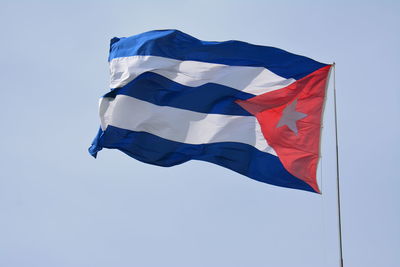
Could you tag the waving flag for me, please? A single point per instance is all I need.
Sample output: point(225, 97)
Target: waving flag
point(253, 109)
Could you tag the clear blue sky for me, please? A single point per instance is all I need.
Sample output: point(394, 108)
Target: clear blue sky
point(60, 207)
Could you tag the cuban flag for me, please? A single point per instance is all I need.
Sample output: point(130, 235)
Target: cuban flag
point(253, 109)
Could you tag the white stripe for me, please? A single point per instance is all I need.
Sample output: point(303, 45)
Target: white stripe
point(253, 80)
point(181, 125)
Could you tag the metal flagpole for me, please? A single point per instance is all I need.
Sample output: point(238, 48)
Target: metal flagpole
point(337, 166)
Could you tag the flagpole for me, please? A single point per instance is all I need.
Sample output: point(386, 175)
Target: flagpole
point(337, 167)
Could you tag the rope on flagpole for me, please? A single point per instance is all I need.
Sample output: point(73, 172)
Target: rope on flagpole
point(337, 166)
point(322, 214)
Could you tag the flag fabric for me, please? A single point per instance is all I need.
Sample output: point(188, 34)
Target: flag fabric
point(253, 109)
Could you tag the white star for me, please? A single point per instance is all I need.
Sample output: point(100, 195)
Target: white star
point(290, 116)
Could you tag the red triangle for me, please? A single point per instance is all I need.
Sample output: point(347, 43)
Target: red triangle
point(299, 153)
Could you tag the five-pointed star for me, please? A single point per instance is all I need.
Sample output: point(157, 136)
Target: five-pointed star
point(290, 116)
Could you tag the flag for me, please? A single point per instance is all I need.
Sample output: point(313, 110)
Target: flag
point(253, 109)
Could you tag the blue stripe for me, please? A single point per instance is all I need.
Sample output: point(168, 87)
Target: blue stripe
point(207, 98)
point(178, 45)
point(241, 158)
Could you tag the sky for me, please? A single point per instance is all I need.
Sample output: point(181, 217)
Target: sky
point(60, 207)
